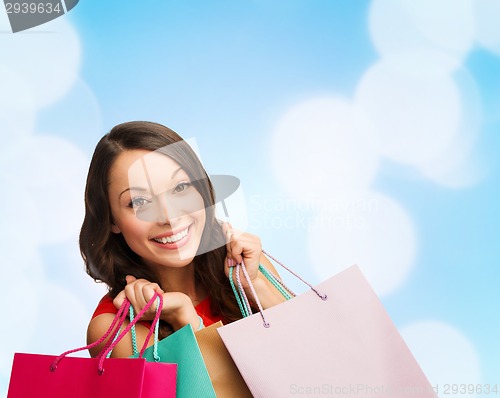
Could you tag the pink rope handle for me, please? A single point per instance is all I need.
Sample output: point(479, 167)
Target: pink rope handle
point(321, 296)
point(153, 325)
point(113, 329)
point(254, 293)
point(243, 295)
point(104, 353)
point(115, 325)
point(266, 324)
point(120, 323)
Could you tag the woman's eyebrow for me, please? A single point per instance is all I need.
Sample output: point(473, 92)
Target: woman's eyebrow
point(134, 189)
point(141, 189)
point(175, 172)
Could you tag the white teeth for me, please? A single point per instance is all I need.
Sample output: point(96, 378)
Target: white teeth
point(173, 238)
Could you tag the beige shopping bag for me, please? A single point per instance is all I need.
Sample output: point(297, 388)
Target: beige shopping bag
point(224, 374)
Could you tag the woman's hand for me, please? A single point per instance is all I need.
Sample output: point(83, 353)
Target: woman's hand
point(177, 307)
point(242, 247)
point(248, 248)
point(177, 310)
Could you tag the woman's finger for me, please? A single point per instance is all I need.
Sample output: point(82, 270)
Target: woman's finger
point(236, 250)
point(119, 299)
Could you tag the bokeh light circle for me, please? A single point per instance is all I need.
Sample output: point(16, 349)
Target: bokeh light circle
point(368, 229)
point(445, 354)
point(487, 15)
point(52, 171)
point(416, 117)
point(323, 145)
point(402, 25)
point(49, 60)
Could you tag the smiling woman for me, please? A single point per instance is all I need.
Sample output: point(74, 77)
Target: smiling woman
point(150, 227)
point(160, 194)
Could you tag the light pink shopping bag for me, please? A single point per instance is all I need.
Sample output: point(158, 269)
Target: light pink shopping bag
point(344, 345)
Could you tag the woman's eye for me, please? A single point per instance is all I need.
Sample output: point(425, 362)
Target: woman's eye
point(182, 186)
point(137, 203)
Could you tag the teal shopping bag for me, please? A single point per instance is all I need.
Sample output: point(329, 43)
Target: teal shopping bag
point(182, 348)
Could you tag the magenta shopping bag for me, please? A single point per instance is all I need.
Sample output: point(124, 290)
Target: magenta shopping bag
point(48, 376)
point(78, 377)
point(334, 340)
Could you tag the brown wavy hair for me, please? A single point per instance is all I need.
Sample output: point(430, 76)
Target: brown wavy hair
point(107, 256)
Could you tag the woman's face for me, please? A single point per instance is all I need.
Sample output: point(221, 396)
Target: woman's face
point(156, 208)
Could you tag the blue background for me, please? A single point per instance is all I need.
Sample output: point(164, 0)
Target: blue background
point(225, 73)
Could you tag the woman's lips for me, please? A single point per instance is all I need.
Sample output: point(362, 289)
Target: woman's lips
point(173, 241)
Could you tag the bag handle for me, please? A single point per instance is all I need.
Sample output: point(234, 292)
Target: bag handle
point(133, 334)
point(156, 356)
point(114, 327)
point(243, 294)
point(321, 296)
point(117, 322)
point(240, 292)
point(241, 299)
point(278, 283)
point(104, 353)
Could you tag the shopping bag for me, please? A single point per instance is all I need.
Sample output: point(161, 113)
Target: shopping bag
point(49, 376)
point(182, 349)
point(78, 378)
point(335, 339)
point(224, 374)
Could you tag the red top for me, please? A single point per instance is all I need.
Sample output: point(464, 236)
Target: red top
point(106, 306)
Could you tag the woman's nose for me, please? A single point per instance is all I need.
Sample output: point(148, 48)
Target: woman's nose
point(165, 211)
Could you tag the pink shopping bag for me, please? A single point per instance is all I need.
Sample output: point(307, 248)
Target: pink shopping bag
point(48, 376)
point(334, 340)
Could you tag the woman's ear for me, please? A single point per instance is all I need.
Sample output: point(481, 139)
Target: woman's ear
point(114, 228)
